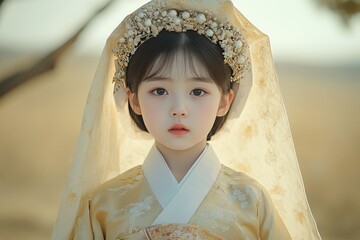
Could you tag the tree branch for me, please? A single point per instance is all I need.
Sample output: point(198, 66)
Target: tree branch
point(47, 63)
point(344, 8)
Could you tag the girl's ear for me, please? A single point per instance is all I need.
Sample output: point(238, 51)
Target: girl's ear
point(134, 102)
point(225, 103)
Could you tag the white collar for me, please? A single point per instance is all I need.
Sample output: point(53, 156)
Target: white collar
point(197, 182)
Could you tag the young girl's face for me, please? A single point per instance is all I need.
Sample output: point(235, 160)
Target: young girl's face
point(179, 103)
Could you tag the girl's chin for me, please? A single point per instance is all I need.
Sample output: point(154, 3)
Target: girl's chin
point(180, 145)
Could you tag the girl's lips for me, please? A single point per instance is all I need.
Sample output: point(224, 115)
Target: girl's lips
point(178, 129)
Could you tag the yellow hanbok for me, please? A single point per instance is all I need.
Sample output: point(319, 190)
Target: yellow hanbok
point(211, 202)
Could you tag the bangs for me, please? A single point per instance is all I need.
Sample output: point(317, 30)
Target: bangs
point(155, 57)
point(163, 65)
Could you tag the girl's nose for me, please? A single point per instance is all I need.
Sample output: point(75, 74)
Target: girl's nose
point(179, 110)
point(179, 113)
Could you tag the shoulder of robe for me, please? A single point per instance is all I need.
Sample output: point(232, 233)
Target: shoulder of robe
point(241, 181)
point(120, 184)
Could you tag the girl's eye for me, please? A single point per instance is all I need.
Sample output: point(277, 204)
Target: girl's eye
point(198, 92)
point(159, 91)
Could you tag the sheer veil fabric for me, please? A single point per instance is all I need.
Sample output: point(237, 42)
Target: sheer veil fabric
point(255, 139)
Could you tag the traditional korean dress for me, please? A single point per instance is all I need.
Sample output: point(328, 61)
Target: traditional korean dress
point(113, 193)
point(211, 202)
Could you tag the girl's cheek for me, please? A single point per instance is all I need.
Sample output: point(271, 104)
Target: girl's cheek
point(152, 110)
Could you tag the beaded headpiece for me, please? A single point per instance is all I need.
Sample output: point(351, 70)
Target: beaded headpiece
point(150, 20)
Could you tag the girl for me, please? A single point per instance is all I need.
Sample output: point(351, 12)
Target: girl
point(181, 69)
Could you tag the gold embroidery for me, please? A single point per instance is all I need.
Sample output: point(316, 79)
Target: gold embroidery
point(278, 190)
point(72, 196)
point(300, 216)
point(180, 232)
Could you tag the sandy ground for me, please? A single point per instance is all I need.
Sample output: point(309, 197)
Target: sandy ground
point(39, 123)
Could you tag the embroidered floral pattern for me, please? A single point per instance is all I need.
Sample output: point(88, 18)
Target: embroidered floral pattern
point(220, 217)
point(135, 210)
point(180, 232)
point(129, 184)
point(139, 208)
point(240, 195)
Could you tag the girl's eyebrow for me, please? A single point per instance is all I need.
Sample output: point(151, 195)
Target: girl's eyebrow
point(195, 79)
point(156, 78)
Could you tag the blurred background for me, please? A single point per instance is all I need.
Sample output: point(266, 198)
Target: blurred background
point(49, 51)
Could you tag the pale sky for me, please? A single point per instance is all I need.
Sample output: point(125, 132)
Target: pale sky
point(299, 30)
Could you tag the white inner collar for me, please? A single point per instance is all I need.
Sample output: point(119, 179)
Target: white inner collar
point(162, 181)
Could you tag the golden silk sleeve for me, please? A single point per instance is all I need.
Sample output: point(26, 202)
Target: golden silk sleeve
point(271, 225)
